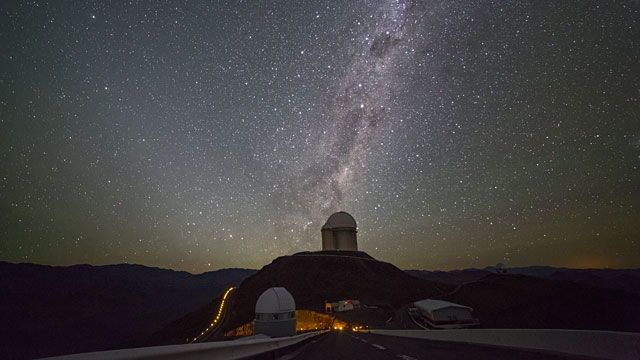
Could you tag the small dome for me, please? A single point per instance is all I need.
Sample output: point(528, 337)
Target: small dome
point(275, 300)
point(340, 220)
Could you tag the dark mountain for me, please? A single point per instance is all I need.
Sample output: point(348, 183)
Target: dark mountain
point(455, 277)
point(51, 310)
point(519, 301)
point(537, 271)
point(625, 280)
point(614, 279)
point(313, 278)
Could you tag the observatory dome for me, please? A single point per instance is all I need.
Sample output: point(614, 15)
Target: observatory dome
point(275, 313)
point(340, 220)
point(275, 300)
point(339, 233)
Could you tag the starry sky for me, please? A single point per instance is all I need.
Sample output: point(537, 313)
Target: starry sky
point(198, 135)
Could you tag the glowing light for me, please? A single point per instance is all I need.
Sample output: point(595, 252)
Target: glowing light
point(214, 321)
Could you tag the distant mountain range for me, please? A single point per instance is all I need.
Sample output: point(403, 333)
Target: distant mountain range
point(49, 310)
point(614, 279)
point(53, 310)
point(546, 297)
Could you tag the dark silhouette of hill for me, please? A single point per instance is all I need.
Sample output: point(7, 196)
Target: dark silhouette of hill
point(454, 277)
point(312, 279)
point(349, 253)
point(51, 310)
point(519, 301)
point(614, 279)
point(624, 280)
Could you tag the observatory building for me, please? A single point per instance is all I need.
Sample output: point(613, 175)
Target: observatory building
point(339, 232)
point(441, 314)
point(275, 313)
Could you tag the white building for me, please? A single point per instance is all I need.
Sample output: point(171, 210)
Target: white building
point(339, 232)
point(444, 314)
point(275, 313)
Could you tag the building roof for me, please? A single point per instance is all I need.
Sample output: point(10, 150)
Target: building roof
point(275, 300)
point(433, 305)
point(340, 220)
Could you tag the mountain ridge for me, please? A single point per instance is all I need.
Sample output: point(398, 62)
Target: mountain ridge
point(70, 309)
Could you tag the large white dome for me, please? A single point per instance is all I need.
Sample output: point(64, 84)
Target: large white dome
point(340, 220)
point(275, 300)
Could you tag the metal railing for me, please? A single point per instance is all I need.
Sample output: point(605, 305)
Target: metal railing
point(213, 350)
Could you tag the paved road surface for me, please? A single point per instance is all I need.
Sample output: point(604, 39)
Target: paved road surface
point(352, 345)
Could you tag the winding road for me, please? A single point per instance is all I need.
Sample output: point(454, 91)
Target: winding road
point(215, 322)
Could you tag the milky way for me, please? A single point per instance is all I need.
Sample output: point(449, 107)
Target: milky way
point(356, 105)
point(198, 135)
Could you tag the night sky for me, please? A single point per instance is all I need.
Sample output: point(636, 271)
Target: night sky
point(198, 135)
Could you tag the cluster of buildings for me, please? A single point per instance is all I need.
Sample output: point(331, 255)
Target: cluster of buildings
point(275, 312)
point(342, 305)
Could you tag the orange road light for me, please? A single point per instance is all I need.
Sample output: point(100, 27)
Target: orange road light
point(219, 312)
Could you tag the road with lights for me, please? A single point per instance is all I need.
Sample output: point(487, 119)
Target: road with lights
point(215, 322)
point(360, 345)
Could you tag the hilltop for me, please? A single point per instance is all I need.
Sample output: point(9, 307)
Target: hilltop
point(313, 278)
